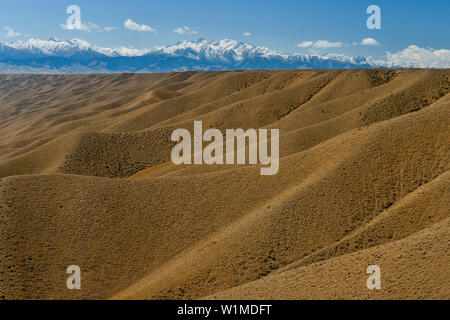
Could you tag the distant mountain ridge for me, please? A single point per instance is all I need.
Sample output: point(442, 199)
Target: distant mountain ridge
point(79, 56)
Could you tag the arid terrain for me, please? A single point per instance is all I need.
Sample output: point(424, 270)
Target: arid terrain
point(364, 179)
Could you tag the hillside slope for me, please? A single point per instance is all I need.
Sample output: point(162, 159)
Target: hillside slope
point(364, 178)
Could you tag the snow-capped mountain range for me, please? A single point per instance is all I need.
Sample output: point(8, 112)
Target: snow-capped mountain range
point(79, 56)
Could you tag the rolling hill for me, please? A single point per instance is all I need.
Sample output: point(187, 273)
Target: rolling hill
point(364, 179)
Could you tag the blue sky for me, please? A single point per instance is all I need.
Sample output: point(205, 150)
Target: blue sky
point(278, 25)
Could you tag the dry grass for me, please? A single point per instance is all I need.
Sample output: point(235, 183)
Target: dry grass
point(364, 179)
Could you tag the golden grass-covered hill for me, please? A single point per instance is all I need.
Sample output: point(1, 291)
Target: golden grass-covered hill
point(364, 179)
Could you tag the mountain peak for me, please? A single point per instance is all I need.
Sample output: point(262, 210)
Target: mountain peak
point(53, 39)
point(201, 54)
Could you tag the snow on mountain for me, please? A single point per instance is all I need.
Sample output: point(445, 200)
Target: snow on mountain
point(61, 48)
point(226, 50)
point(77, 55)
point(44, 48)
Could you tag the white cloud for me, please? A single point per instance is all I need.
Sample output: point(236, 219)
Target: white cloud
point(93, 26)
point(84, 27)
point(321, 44)
point(184, 30)
point(305, 44)
point(11, 33)
point(246, 34)
point(369, 42)
point(133, 26)
point(327, 44)
point(416, 57)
